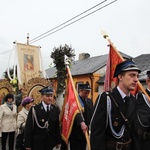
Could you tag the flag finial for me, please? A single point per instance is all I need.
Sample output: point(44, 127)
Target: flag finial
point(105, 34)
point(28, 38)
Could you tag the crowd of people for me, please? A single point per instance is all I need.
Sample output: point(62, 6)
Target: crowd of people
point(117, 120)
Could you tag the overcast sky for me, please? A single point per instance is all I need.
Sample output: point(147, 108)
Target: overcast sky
point(126, 21)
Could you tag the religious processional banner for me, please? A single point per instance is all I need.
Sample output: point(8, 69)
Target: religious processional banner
point(28, 66)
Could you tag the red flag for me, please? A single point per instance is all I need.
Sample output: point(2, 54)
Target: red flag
point(115, 55)
point(70, 109)
point(113, 59)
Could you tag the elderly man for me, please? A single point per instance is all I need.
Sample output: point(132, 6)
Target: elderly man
point(112, 124)
point(42, 130)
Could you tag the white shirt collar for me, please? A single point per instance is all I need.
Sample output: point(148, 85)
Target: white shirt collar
point(45, 106)
point(123, 95)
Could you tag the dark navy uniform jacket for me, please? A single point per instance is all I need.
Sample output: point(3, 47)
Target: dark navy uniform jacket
point(143, 112)
point(100, 126)
point(42, 139)
point(143, 120)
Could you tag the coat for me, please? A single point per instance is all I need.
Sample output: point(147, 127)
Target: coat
point(143, 121)
point(22, 117)
point(8, 118)
point(101, 131)
point(38, 138)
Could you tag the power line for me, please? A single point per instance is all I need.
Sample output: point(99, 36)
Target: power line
point(33, 41)
point(68, 21)
point(54, 29)
point(73, 22)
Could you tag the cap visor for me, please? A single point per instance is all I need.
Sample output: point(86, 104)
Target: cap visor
point(132, 68)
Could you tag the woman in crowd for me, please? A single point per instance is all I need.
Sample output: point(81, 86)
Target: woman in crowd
point(21, 121)
point(22, 116)
point(8, 116)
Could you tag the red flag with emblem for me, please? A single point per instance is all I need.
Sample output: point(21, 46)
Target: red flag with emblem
point(70, 109)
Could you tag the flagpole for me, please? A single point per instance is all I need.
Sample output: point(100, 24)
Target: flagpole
point(79, 106)
point(86, 134)
point(105, 35)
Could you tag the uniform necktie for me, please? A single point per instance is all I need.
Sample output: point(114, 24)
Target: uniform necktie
point(127, 101)
point(85, 104)
point(85, 114)
point(48, 109)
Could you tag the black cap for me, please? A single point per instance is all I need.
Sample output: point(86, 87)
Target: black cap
point(46, 91)
point(84, 86)
point(127, 65)
point(148, 73)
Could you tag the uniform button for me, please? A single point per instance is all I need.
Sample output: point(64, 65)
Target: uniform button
point(115, 123)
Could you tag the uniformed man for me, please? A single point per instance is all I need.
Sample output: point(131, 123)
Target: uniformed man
point(112, 122)
point(143, 117)
point(42, 130)
point(77, 137)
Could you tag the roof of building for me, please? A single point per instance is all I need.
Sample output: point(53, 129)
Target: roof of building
point(81, 67)
point(85, 66)
point(143, 62)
